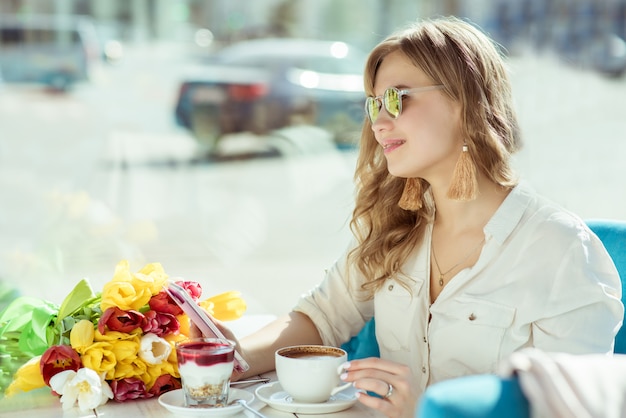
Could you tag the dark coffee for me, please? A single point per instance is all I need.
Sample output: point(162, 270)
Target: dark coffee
point(312, 356)
point(311, 352)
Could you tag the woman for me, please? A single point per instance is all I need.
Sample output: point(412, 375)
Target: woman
point(459, 264)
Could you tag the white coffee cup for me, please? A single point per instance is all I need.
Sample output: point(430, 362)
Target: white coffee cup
point(310, 373)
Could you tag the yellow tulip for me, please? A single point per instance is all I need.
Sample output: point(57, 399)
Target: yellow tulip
point(99, 357)
point(122, 295)
point(132, 291)
point(122, 272)
point(154, 373)
point(82, 335)
point(27, 377)
point(126, 369)
point(125, 350)
point(226, 306)
point(185, 324)
point(116, 335)
point(225, 297)
point(174, 338)
point(207, 306)
point(168, 367)
point(151, 276)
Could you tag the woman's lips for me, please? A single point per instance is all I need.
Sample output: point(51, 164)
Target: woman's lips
point(389, 146)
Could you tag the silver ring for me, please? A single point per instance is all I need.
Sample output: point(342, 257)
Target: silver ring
point(389, 391)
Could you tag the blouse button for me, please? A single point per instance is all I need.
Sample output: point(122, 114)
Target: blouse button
point(423, 369)
point(425, 340)
point(390, 288)
point(472, 317)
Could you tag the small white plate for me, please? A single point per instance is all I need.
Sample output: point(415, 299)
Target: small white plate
point(174, 401)
point(274, 395)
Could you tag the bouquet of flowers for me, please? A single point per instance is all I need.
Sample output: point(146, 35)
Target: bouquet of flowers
point(115, 344)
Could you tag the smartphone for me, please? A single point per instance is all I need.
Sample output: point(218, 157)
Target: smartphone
point(201, 319)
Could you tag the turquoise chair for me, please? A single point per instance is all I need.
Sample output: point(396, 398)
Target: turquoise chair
point(364, 344)
point(491, 396)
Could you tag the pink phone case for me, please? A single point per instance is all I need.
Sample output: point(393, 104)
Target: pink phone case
point(201, 319)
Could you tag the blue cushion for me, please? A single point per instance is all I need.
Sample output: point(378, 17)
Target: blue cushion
point(613, 236)
point(363, 344)
point(485, 396)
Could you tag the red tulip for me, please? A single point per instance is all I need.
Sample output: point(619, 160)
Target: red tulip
point(193, 288)
point(57, 359)
point(162, 302)
point(164, 383)
point(129, 389)
point(118, 320)
point(160, 323)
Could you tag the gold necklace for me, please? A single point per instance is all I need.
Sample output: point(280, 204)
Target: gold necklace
point(442, 274)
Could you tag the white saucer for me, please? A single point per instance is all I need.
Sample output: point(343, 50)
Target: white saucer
point(273, 395)
point(174, 401)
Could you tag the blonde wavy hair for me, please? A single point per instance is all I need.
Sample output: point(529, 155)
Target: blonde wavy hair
point(456, 54)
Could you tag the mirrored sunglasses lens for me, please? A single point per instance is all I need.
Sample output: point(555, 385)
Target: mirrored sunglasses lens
point(392, 102)
point(372, 107)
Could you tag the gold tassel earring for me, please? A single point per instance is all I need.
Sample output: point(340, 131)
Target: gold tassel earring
point(411, 198)
point(464, 185)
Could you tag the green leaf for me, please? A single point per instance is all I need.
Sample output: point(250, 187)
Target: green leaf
point(52, 336)
point(78, 297)
point(25, 323)
point(18, 314)
point(34, 337)
point(30, 345)
point(42, 319)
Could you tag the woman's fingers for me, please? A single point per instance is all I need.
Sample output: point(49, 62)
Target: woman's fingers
point(392, 382)
point(375, 363)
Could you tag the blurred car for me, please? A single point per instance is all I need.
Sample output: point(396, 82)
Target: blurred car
point(604, 52)
point(265, 84)
point(48, 50)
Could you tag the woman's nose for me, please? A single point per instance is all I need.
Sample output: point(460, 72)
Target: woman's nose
point(382, 122)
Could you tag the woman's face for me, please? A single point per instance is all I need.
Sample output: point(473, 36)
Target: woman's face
point(424, 140)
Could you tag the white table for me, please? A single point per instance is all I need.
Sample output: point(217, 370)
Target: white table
point(41, 403)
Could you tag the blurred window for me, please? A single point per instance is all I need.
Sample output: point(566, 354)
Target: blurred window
point(31, 36)
point(10, 36)
point(257, 61)
point(333, 65)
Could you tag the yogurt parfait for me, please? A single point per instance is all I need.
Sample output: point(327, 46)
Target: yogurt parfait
point(205, 366)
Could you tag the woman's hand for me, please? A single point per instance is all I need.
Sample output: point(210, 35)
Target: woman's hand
point(195, 332)
point(394, 382)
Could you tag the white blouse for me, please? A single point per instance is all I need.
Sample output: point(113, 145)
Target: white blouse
point(543, 279)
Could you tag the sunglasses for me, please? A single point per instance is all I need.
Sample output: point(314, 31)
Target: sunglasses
point(392, 99)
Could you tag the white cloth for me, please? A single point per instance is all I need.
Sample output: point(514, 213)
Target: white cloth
point(543, 279)
point(560, 385)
